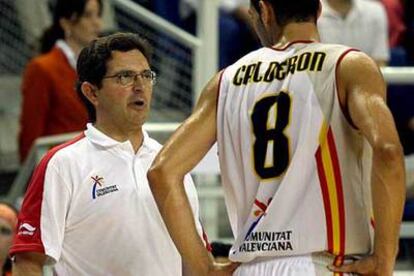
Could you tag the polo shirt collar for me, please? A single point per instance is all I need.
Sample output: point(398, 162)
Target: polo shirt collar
point(67, 51)
point(98, 137)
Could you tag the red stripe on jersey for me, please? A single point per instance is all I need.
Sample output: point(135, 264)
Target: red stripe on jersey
point(372, 222)
point(325, 197)
point(261, 205)
point(207, 243)
point(339, 190)
point(291, 43)
point(343, 108)
point(30, 213)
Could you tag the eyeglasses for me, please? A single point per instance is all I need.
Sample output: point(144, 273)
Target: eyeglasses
point(127, 78)
point(5, 231)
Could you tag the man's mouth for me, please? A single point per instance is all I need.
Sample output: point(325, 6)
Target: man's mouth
point(140, 104)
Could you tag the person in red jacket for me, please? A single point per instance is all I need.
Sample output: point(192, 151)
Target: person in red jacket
point(50, 103)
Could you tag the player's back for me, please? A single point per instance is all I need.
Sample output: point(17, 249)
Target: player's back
point(295, 171)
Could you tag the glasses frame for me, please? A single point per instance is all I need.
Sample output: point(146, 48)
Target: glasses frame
point(134, 75)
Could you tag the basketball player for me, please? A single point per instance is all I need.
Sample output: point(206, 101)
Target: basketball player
point(311, 163)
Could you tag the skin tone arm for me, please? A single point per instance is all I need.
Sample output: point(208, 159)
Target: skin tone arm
point(28, 264)
point(180, 154)
point(362, 91)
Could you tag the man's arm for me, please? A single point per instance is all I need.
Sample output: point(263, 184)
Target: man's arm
point(28, 264)
point(362, 91)
point(180, 154)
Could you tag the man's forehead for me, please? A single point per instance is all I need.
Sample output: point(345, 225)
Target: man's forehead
point(131, 60)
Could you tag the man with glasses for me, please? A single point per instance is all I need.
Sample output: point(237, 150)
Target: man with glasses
point(89, 208)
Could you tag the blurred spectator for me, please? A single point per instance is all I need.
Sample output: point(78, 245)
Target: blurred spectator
point(356, 23)
point(234, 25)
point(396, 26)
point(35, 17)
point(409, 39)
point(50, 103)
point(8, 222)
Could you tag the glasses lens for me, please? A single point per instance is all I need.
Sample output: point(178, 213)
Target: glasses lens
point(126, 78)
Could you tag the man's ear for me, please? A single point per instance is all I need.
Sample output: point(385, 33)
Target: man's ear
point(90, 92)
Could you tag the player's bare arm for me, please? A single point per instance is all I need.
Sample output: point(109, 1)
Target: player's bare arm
point(28, 264)
point(363, 93)
point(180, 155)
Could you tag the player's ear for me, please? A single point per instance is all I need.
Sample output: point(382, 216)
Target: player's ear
point(90, 92)
point(319, 10)
point(266, 12)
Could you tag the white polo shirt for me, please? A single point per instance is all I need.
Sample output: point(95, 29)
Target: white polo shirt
point(365, 27)
point(90, 209)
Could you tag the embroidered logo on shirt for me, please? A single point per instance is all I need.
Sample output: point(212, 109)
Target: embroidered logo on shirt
point(26, 229)
point(99, 190)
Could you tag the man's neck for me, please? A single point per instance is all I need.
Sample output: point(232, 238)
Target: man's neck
point(122, 134)
point(306, 31)
point(341, 6)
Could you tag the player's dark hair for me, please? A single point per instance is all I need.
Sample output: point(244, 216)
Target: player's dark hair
point(287, 11)
point(93, 59)
point(69, 9)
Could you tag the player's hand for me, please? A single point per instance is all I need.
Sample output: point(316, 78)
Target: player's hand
point(370, 266)
point(223, 269)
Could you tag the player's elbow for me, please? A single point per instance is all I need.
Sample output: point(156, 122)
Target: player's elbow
point(389, 151)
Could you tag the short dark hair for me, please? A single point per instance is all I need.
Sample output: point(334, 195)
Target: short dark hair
point(92, 61)
point(287, 11)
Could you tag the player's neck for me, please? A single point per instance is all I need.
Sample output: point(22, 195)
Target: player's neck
point(297, 32)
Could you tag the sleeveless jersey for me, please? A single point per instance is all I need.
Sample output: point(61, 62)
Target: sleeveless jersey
point(296, 173)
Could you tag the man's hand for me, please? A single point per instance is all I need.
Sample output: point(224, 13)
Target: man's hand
point(370, 266)
point(223, 269)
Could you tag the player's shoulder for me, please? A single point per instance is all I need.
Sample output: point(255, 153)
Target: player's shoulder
point(353, 60)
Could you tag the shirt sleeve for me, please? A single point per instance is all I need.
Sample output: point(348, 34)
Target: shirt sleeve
point(193, 198)
point(41, 221)
point(381, 49)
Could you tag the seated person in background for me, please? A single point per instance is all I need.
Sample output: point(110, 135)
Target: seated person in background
point(89, 208)
point(50, 104)
point(8, 222)
point(361, 24)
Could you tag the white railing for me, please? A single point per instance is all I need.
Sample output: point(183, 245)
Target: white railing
point(204, 46)
point(398, 75)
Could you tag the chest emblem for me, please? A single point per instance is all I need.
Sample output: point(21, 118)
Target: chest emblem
point(98, 188)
